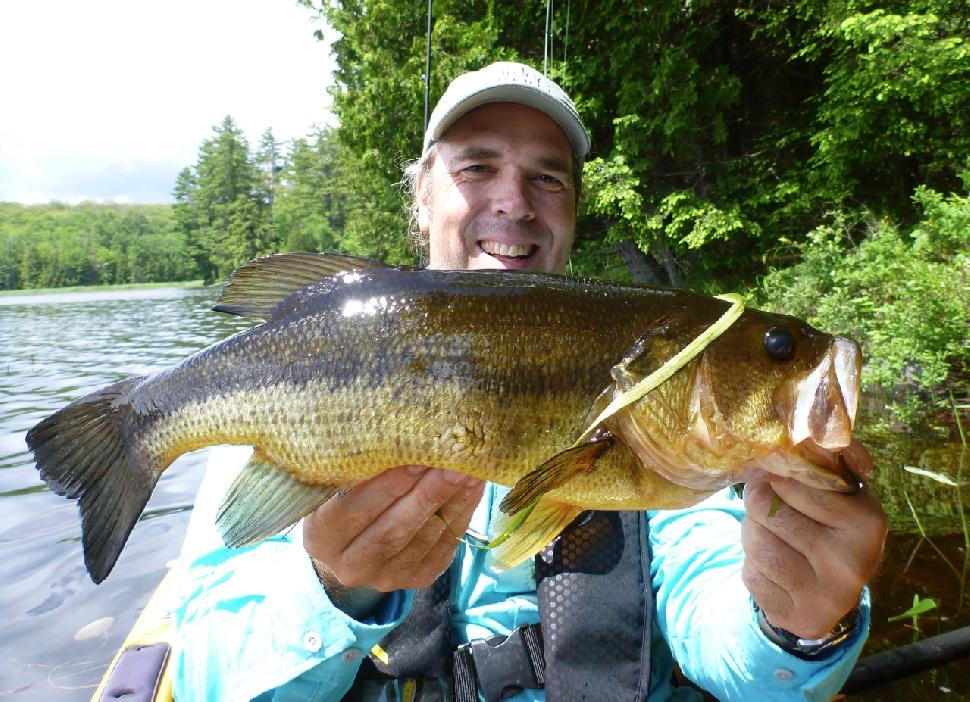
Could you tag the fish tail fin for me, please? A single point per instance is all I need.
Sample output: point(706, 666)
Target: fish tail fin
point(544, 523)
point(83, 453)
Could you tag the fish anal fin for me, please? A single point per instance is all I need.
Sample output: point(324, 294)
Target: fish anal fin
point(265, 499)
point(256, 288)
point(545, 523)
point(555, 472)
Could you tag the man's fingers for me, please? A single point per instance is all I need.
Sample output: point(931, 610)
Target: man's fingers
point(425, 558)
point(824, 507)
point(450, 521)
point(774, 557)
point(336, 523)
point(769, 595)
point(403, 520)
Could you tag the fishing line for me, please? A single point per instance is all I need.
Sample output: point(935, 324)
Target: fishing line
point(427, 66)
point(565, 45)
point(546, 48)
point(670, 366)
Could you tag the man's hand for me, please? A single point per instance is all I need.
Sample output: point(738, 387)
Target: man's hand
point(806, 564)
point(385, 534)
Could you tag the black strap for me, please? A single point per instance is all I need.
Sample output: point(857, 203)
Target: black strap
point(499, 665)
point(595, 602)
point(596, 605)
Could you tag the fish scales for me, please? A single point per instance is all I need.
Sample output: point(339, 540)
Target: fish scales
point(491, 374)
point(367, 377)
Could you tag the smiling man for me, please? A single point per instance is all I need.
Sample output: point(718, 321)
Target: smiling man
point(498, 191)
point(374, 598)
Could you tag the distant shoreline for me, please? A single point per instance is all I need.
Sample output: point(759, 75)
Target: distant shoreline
point(96, 288)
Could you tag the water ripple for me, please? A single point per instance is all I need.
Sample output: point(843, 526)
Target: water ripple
point(54, 348)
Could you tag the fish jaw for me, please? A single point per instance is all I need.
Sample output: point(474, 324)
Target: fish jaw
point(821, 406)
point(841, 471)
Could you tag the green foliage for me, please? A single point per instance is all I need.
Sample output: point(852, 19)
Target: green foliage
point(58, 245)
point(920, 606)
point(896, 109)
point(904, 295)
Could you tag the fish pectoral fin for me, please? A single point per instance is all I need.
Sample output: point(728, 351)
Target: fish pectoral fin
point(557, 471)
point(265, 499)
point(545, 523)
point(258, 287)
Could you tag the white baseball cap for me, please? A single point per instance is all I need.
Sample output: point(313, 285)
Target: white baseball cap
point(507, 82)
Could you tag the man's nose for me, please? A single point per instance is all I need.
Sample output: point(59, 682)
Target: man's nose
point(511, 197)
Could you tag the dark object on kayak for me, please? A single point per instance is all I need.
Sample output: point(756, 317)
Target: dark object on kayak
point(137, 673)
point(886, 667)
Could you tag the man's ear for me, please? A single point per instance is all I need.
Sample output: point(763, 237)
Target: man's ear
point(424, 203)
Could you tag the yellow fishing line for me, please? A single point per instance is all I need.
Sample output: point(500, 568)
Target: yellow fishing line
point(670, 366)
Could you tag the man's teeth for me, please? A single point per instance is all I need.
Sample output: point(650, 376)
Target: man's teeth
point(491, 247)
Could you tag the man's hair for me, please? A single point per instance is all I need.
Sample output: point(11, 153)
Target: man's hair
point(421, 168)
point(414, 169)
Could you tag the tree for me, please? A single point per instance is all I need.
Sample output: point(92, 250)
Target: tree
point(221, 206)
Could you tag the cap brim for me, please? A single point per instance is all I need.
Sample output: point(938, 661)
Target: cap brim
point(566, 118)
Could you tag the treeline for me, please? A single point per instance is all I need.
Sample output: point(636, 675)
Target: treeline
point(237, 203)
point(233, 204)
point(57, 245)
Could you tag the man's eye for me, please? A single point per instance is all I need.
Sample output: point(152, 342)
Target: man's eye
point(475, 168)
point(550, 182)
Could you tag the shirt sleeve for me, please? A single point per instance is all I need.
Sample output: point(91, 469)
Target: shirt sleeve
point(255, 622)
point(707, 616)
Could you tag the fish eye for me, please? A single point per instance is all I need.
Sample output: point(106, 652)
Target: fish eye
point(779, 343)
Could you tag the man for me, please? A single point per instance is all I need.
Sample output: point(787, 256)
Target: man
point(752, 607)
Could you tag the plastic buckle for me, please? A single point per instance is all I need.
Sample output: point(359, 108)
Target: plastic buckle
point(502, 664)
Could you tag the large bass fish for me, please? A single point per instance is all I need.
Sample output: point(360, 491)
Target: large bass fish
point(358, 368)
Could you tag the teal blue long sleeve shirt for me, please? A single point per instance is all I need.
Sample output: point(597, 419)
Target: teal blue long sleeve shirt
point(254, 623)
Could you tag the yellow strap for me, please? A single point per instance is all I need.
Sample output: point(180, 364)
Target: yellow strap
point(380, 654)
point(672, 364)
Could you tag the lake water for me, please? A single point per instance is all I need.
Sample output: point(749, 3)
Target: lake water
point(55, 348)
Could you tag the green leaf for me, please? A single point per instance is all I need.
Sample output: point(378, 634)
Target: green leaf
point(919, 607)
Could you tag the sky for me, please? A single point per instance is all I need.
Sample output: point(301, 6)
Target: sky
point(107, 100)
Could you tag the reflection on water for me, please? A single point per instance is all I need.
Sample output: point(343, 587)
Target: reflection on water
point(54, 348)
point(925, 555)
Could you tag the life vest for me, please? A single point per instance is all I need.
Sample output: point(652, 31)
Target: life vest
point(595, 609)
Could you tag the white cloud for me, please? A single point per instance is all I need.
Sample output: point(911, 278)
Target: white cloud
point(102, 97)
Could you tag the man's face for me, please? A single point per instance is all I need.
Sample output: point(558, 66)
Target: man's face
point(501, 193)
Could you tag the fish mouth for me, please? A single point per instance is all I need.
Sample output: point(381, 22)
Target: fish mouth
point(514, 255)
point(822, 405)
point(819, 410)
point(841, 470)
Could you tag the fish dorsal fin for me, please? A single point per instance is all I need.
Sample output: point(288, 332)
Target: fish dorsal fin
point(255, 289)
point(555, 472)
point(545, 522)
point(265, 500)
